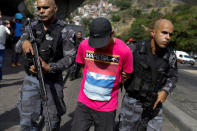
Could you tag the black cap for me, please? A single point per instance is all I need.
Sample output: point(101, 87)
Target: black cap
point(100, 32)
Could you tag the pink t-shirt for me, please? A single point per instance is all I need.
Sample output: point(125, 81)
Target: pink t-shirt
point(102, 74)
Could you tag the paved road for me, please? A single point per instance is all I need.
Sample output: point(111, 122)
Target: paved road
point(184, 96)
point(9, 118)
point(9, 87)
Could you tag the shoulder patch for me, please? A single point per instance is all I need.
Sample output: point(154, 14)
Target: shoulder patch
point(172, 60)
point(68, 33)
point(33, 23)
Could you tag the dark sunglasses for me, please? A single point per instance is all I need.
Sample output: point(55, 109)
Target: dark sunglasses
point(43, 7)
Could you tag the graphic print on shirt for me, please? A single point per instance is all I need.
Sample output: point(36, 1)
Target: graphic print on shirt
point(101, 75)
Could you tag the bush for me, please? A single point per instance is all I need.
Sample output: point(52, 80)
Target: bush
point(137, 12)
point(122, 4)
point(115, 18)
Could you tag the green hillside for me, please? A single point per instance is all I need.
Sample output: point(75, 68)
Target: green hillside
point(137, 18)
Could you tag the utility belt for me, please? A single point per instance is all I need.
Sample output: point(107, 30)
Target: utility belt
point(134, 95)
point(145, 97)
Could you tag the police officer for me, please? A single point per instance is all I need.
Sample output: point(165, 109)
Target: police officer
point(75, 69)
point(154, 78)
point(56, 49)
point(79, 38)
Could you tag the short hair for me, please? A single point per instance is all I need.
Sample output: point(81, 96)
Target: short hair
point(53, 2)
point(158, 22)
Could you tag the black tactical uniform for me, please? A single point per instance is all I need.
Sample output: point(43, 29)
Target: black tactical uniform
point(152, 73)
point(74, 71)
point(56, 48)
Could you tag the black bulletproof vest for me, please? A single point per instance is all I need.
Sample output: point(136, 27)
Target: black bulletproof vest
point(49, 42)
point(149, 71)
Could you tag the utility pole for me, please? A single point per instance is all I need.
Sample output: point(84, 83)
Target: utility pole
point(100, 8)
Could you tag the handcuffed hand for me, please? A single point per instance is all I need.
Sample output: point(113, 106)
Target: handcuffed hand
point(162, 95)
point(27, 47)
point(125, 77)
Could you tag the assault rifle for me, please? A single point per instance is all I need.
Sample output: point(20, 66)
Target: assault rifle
point(148, 112)
point(37, 64)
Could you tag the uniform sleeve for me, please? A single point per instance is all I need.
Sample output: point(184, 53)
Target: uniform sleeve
point(80, 54)
point(171, 75)
point(24, 36)
point(128, 62)
point(68, 52)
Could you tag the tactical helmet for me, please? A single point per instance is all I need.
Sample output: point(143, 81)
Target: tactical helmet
point(18, 16)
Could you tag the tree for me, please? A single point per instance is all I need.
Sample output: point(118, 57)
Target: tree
point(136, 12)
point(155, 14)
point(122, 4)
point(137, 32)
point(185, 25)
point(86, 23)
point(115, 18)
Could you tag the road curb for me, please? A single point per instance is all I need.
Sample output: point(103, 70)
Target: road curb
point(179, 118)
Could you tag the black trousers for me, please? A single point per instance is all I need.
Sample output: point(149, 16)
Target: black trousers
point(85, 117)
